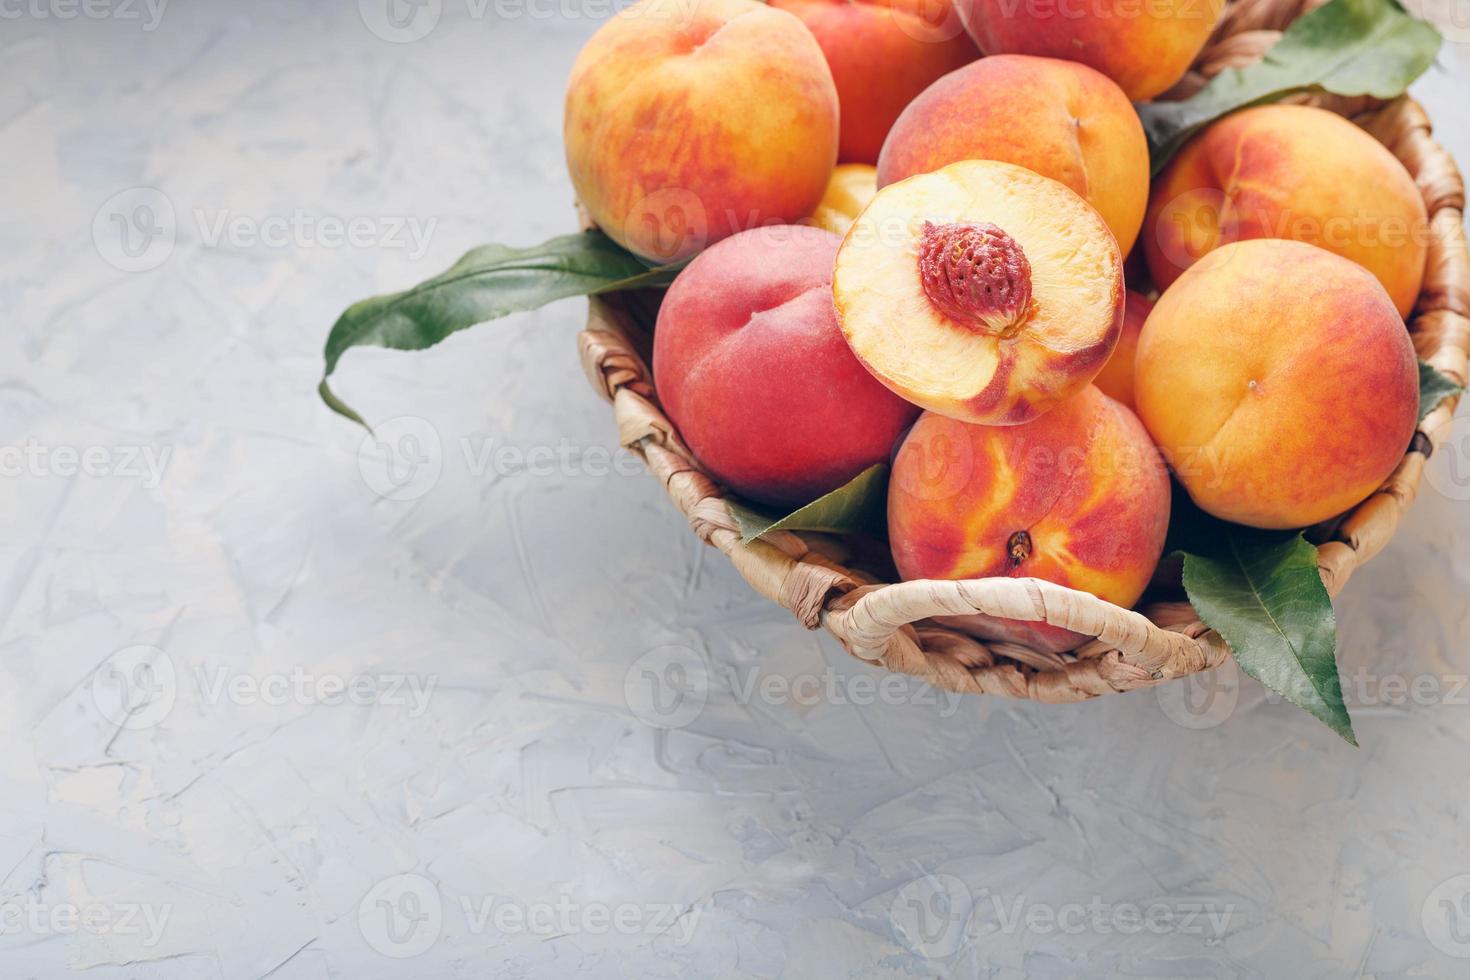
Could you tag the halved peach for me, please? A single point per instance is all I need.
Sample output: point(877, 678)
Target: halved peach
point(983, 292)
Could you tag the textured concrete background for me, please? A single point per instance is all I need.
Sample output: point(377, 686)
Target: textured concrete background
point(473, 702)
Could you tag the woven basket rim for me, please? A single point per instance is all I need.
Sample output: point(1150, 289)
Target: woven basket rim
point(890, 624)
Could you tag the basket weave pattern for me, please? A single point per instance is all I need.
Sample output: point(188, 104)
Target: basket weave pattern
point(809, 574)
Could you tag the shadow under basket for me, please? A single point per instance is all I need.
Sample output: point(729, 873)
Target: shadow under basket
point(825, 583)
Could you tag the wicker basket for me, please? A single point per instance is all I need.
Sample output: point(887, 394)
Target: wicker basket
point(824, 584)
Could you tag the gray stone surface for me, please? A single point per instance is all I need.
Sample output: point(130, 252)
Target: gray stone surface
point(198, 558)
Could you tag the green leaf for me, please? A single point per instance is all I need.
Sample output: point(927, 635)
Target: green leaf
point(487, 283)
point(861, 504)
point(1348, 47)
point(1434, 387)
point(1262, 592)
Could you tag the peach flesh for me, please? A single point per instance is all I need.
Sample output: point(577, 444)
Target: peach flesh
point(983, 291)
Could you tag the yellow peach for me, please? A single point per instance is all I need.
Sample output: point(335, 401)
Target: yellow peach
point(1058, 118)
point(690, 120)
point(1286, 171)
point(1078, 497)
point(882, 54)
point(1144, 47)
point(1279, 382)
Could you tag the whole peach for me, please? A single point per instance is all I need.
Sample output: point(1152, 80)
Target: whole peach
point(1279, 381)
point(882, 54)
point(1057, 118)
point(752, 368)
point(1078, 497)
point(1286, 171)
point(1144, 47)
point(690, 120)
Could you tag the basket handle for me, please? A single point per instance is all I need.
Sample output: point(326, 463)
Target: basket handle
point(875, 625)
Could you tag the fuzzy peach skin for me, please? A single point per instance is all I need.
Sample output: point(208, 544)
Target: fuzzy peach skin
point(1285, 171)
point(851, 189)
point(982, 291)
point(1144, 47)
point(1116, 378)
point(1078, 497)
point(1279, 381)
point(882, 54)
point(1061, 119)
point(751, 367)
point(690, 120)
